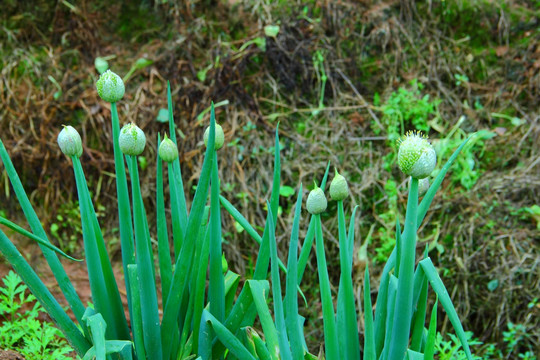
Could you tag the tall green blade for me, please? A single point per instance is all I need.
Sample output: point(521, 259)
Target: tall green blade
point(178, 230)
point(54, 263)
point(350, 235)
point(216, 286)
point(183, 265)
point(101, 291)
point(392, 290)
point(269, 328)
point(419, 317)
point(234, 345)
point(200, 288)
point(402, 314)
point(348, 322)
point(117, 308)
point(263, 259)
point(242, 221)
point(124, 207)
point(285, 351)
point(446, 302)
point(181, 203)
point(432, 334)
point(40, 291)
point(164, 254)
point(291, 297)
point(381, 309)
point(369, 333)
point(145, 267)
point(330, 334)
point(308, 241)
point(136, 320)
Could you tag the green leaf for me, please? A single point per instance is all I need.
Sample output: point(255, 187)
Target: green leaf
point(31, 236)
point(101, 65)
point(269, 329)
point(286, 191)
point(493, 284)
point(285, 351)
point(97, 326)
point(432, 334)
point(183, 267)
point(112, 347)
point(226, 337)
point(446, 302)
point(369, 336)
point(136, 319)
point(216, 285)
point(329, 322)
point(291, 298)
point(163, 116)
point(271, 30)
point(102, 281)
point(124, 207)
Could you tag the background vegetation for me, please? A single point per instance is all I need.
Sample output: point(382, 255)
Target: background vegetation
point(344, 80)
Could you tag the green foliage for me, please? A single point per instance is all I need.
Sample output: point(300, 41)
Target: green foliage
point(450, 348)
point(407, 109)
point(67, 227)
point(21, 330)
point(468, 166)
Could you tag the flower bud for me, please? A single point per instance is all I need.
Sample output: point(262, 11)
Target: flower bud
point(416, 156)
point(316, 201)
point(339, 189)
point(224, 264)
point(220, 137)
point(131, 140)
point(70, 141)
point(423, 186)
point(110, 87)
point(167, 150)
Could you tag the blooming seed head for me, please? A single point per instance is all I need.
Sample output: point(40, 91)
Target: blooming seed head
point(131, 140)
point(220, 137)
point(110, 87)
point(167, 150)
point(416, 156)
point(70, 141)
point(316, 201)
point(339, 189)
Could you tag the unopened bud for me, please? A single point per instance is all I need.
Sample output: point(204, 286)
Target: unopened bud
point(316, 202)
point(220, 137)
point(168, 151)
point(339, 189)
point(131, 140)
point(110, 87)
point(70, 141)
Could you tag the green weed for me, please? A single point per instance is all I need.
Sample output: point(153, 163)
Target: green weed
point(21, 330)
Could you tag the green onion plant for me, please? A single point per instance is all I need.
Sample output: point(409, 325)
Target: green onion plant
point(205, 313)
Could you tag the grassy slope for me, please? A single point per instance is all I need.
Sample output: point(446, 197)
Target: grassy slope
point(478, 62)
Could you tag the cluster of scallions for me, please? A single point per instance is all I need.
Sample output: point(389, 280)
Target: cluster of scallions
point(132, 140)
point(416, 158)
